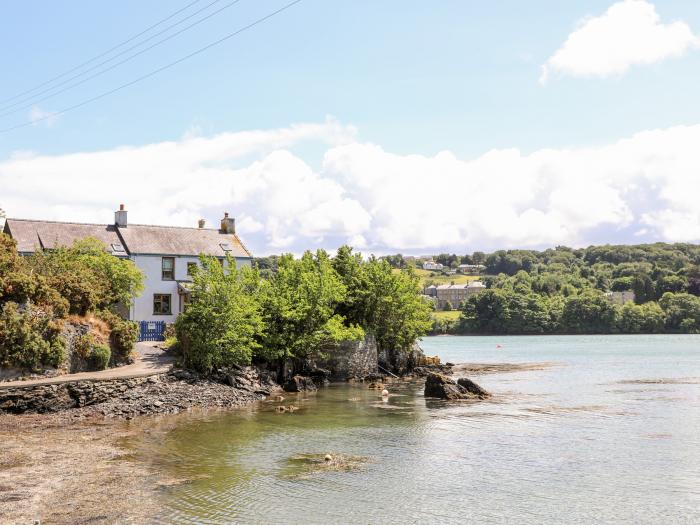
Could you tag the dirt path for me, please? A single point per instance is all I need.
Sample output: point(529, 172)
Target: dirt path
point(151, 360)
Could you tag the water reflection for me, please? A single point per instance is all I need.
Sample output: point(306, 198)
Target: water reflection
point(553, 445)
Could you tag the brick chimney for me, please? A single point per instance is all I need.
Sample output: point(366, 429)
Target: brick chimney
point(228, 225)
point(201, 223)
point(120, 217)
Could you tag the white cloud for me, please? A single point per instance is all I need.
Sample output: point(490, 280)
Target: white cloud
point(629, 33)
point(641, 188)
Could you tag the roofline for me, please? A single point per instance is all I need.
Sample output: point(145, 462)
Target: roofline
point(189, 255)
point(123, 242)
point(45, 221)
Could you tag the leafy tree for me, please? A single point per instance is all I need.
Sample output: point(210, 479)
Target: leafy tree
point(223, 323)
point(384, 302)
point(298, 305)
point(644, 318)
point(87, 276)
point(682, 311)
point(588, 312)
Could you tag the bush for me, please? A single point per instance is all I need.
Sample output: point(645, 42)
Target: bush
point(99, 356)
point(124, 334)
point(82, 345)
point(29, 339)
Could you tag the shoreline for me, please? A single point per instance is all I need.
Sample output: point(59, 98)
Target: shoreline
point(50, 457)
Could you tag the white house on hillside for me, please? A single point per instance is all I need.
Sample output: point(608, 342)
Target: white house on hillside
point(432, 265)
point(165, 254)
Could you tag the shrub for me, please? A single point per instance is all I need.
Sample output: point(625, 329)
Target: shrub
point(29, 339)
point(82, 345)
point(124, 334)
point(99, 356)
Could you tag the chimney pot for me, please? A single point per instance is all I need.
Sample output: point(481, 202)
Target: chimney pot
point(121, 207)
point(201, 223)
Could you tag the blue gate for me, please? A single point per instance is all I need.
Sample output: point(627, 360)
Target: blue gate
point(152, 331)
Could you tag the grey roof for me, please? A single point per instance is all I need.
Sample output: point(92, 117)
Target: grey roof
point(46, 235)
point(170, 240)
point(135, 238)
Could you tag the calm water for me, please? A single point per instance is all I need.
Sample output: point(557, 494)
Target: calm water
point(578, 442)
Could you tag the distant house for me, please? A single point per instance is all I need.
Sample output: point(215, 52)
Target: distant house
point(456, 294)
point(432, 265)
point(621, 298)
point(471, 269)
point(165, 254)
point(431, 291)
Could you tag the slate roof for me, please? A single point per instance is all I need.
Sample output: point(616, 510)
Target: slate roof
point(169, 240)
point(135, 238)
point(46, 235)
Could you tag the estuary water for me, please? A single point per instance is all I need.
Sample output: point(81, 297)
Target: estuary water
point(607, 432)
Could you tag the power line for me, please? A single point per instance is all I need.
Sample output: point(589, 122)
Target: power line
point(101, 54)
point(155, 71)
point(127, 59)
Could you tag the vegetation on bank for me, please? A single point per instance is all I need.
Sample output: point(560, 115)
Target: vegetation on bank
point(297, 307)
point(38, 293)
point(562, 290)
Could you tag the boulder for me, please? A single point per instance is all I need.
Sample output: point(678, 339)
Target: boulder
point(299, 384)
point(471, 387)
point(443, 387)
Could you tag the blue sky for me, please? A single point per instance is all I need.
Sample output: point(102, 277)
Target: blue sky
point(410, 78)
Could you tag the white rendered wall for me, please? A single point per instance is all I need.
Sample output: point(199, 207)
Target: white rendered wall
point(151, 266)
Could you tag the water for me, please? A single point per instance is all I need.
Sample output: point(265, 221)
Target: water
point(582, 441)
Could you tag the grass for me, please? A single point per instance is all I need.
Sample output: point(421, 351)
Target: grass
point(426, 276)
point(451, 315)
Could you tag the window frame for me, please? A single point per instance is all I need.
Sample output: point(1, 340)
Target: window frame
point(191, 265)
point(163, 270)
point(158, 298)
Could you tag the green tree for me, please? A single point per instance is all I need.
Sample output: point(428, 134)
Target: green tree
point(385, 302)
point(299, 304)
point(641, 318)
point(682, 311)
point(588, 312)
point(223, 323)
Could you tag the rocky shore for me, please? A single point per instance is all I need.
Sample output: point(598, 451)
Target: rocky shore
point(167, 393)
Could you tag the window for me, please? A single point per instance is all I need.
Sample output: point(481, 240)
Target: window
point(162, 304)
point(168, 268)
point(191, 267)
point(186, 300)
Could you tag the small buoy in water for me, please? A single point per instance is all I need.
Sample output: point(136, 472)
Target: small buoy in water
point(385, 393)
point(499, 346)
point(327, 458)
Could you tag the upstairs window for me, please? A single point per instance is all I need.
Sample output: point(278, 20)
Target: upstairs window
point(191, 268)
point(168, 268)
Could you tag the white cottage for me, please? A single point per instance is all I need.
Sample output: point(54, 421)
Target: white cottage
point(165, 254)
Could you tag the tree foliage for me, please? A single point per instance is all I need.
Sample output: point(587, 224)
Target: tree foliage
point(223, 323)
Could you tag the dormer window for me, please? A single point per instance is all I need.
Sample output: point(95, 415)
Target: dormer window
point(226, 247)
point(118, 248)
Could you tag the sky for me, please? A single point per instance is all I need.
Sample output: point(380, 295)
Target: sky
point(395, 126)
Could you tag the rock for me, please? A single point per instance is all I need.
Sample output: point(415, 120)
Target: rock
point(443, 387)
point(471, 387)
point(299, 384)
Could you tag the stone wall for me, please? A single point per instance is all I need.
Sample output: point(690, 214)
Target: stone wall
point(350, 359)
